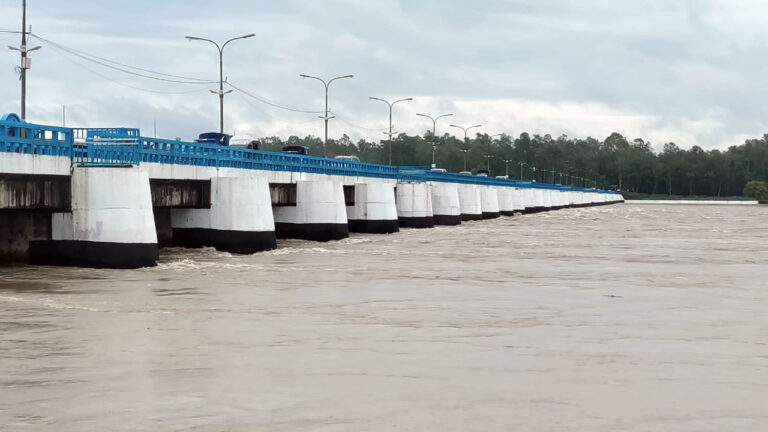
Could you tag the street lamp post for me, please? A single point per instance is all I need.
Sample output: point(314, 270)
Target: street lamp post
point(434, 125)
point(506, 167)
point(326, 117)
point(488, 155)
point(390, 104)
point(466, 149)
point(221, 91)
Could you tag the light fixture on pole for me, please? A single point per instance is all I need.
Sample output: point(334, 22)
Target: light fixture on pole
point(434, 125)
point(466, 148)
point(390, 104)
point(221, 91)
point(326, 117)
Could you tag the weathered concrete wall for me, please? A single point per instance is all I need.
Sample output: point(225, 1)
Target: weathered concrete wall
point(17, 229)
point(35, 192)
point(181, 193)
point(27, 164)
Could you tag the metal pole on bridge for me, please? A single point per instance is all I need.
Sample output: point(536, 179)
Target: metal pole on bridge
point(392, 104)
point(221, 91)
point(326, 117)
point(434, 126)
point(466, 148)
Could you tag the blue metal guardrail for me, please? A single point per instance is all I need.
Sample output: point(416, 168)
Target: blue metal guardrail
point(18, 137)
point(126, 146)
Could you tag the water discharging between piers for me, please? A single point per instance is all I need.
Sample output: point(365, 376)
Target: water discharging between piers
point(611, 318)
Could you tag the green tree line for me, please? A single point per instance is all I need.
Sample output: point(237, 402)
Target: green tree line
point(615, 162)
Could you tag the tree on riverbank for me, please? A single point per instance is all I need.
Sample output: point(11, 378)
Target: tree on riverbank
point(757, 190)
point(613, 162)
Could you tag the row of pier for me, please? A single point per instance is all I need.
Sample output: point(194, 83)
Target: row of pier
point(117, 220)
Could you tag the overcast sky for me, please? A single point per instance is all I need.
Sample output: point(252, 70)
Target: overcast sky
point(692, 72)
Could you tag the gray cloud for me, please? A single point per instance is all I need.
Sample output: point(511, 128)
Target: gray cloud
point(684, 71)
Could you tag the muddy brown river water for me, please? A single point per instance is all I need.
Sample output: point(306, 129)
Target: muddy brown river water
point(618, 318)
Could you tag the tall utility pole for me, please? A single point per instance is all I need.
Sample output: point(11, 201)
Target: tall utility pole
point(466, 148)
point(326, 117)
point(26, 62)
point(392, 104)
point(434, 126)
point(221, 91)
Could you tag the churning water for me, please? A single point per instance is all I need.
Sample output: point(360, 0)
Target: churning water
point(619, 318)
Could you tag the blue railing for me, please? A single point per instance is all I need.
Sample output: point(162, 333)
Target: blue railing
point(28, 138)
point(125, 146)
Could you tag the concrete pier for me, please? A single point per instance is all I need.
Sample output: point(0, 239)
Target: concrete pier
point(470, 202)
point(518, 201)
point(489, 202)
point(506, 201)
point(374, 210)
point(414, 205)
point(239, 220)
point(319, 213)
point(445, 203)
point(110, 226)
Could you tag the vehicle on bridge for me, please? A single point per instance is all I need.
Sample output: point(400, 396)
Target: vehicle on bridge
point(244, 141)
point(351, 158)
point(214, 138)
point(483, 173)
point(295, 149)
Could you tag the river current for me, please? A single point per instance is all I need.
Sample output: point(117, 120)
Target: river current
point(617, 318)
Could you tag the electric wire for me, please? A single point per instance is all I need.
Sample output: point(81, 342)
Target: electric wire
point(270, 103)
point(202, 81)
point(62, 54)
point(101, 63)
point(343, 120)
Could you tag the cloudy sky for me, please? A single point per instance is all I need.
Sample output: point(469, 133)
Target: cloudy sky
point(688, 71)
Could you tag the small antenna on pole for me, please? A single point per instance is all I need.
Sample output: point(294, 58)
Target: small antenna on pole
point(63, 116)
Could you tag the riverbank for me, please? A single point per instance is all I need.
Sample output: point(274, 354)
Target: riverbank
point(692, 202)
point(635, 196)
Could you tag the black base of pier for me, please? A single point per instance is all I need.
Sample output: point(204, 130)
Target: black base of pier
point(491, 215)
point(315, 232)
point(374, 226)
point(447, 219)
point(238, 242)
point(471, 217)
point(74, 253)
point(416, 222)
point(508, 212)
